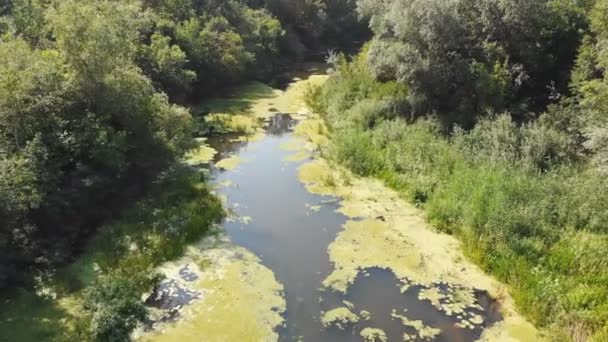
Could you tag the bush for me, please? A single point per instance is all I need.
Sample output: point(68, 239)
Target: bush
point(114, 306)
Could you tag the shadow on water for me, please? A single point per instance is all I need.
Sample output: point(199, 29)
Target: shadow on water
point(292, 240)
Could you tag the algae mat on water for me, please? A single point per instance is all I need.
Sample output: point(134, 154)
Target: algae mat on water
point(388, 233)
point(249, 106)
point(234, 297)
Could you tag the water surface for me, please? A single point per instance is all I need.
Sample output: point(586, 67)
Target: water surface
point(290, 229)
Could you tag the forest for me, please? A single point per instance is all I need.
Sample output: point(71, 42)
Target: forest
point(90, 101)
point(491, 116)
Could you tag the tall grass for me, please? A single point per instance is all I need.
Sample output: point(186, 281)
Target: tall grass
point(526, 209)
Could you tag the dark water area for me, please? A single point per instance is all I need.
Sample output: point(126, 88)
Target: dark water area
point(276, 218)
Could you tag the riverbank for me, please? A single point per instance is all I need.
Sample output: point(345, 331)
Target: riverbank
point(537, 230)
point(384, 231)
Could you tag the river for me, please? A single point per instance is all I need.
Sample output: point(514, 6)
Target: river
point(299, 259)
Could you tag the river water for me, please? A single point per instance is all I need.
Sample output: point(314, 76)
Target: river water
point(291, 229)
point(275, 217)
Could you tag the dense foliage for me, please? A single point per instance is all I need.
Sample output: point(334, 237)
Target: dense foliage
point(491, 117)
point(316, 25)
point(87, 88)
point(79, 121)
point(464, 58)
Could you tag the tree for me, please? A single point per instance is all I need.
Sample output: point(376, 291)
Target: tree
point(96, 36)
point(464, 58)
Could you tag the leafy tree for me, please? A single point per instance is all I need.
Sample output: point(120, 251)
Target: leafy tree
point(590, 82)
point(96, 36)
point(168, 64)
point(463, 58)
point(77, 125)
point(29, 20)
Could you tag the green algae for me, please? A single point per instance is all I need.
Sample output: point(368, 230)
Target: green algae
point(292, 145)
point(313, 208)
point(365, 315)
point(250, 106)
point(226, 183)
point(245, 219)
point(373, 335)
point(455, 301)
point(203, 154)
point(392, 234)
point(375, 245)
point(340, 317)
point(423, 331)
point(511, 330)
point(234, 123)
point(240, 101)
point(348, 304)
point(298, 156)
point(229, 164)
point(240, 298)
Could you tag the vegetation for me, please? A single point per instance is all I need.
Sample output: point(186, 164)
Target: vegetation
point(98, 296)
point(89, 125)
point(86, 113)
point(499, 148)
point(489, 114)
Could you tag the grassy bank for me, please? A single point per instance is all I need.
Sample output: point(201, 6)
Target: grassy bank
point(98, 296)
point(528, 209)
